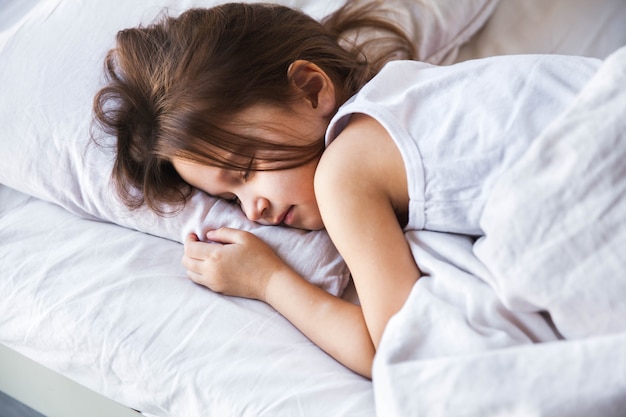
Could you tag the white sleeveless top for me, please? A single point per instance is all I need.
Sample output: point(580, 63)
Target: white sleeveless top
point(459, 127)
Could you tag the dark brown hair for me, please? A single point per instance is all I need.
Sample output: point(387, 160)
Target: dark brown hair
point(174, 86)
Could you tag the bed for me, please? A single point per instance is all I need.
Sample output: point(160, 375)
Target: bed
point(527, 321)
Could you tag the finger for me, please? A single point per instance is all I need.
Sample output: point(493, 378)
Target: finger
point(226, 235)
point(195, 277)
point(192, 264)
point(196, 249)
point(191, 237)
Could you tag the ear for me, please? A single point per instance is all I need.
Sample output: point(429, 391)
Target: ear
point(317, 87)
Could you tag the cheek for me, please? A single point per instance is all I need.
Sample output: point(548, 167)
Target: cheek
point(310, 218)
point(306, 176)
point(304, 188)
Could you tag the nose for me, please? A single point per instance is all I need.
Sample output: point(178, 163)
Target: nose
point(255, 208)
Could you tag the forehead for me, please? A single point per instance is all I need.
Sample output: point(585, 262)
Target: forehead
point(212, 180)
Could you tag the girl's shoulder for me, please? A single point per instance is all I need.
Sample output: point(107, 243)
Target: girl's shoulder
point(363, 162)
point(358, 149)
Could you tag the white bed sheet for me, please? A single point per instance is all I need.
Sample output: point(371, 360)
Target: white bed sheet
point(112, 309)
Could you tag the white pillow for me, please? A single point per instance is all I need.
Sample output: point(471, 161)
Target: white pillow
point(51, 66)
point(440, 27)
point(566, 27)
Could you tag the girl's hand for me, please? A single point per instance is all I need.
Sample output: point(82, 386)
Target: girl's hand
point(238, 263)
point(243, 265)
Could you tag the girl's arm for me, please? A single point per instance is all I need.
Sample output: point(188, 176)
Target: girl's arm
point(360, 194)
point(335, 325)
point(361, 189)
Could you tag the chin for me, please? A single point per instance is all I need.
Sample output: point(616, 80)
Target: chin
point(316, 225)
point(312, 226)
point(316, 228)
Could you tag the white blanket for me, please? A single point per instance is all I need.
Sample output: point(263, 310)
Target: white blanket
point(551, 269)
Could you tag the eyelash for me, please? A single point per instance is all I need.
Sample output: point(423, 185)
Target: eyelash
point(245, 175)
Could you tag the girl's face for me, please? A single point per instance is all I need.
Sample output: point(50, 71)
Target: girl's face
point(273, 197)
point(284, 197)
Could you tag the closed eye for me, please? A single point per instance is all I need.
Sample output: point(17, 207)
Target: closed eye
point(247, 173)
point(234, 201)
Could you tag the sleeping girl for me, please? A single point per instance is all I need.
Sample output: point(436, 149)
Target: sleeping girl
point(271, 110)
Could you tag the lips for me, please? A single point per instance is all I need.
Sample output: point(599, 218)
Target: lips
point(286, 217)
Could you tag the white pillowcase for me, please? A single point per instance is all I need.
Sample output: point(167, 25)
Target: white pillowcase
point(51, 66)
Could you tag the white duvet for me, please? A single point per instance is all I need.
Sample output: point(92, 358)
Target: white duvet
point(551, 269)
